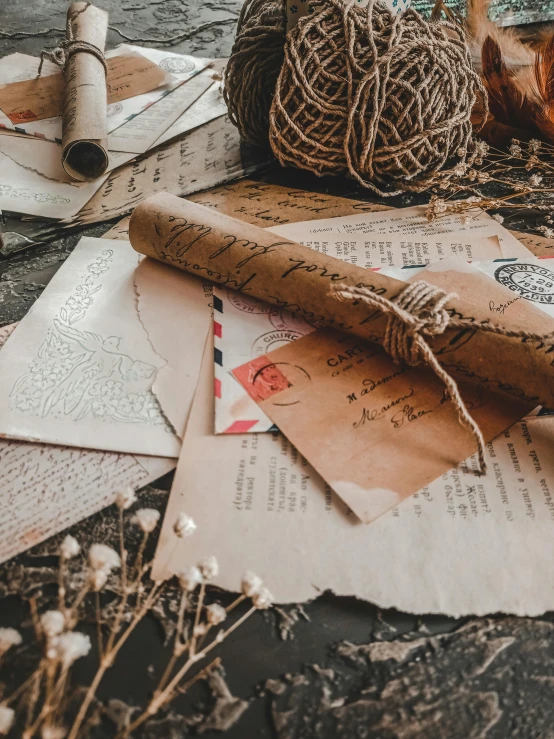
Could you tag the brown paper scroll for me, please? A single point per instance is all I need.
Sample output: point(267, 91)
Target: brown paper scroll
point(85, 129)
point(209, 244)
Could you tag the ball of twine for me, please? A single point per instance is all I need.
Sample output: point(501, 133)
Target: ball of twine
point(384, 98)
point(253, 67)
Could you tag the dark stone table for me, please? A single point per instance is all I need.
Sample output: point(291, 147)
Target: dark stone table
point(305, 672)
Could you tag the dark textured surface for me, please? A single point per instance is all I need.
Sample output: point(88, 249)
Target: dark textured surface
point(350, 670)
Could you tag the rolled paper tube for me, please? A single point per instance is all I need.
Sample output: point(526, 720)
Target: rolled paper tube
point(290, 276)
point(85, 128)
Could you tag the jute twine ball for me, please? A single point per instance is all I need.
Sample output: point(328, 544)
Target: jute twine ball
point(253, 67)
point(384, 98)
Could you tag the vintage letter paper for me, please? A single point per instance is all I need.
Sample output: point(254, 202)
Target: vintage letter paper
point(79, 368)
point(406, 222)
point(36, 499)
point(462, 545)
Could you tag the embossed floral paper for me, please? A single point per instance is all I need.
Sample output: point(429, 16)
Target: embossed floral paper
point(79, 369)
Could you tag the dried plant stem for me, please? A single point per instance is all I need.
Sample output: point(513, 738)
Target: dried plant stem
point(99, 625)
point(112, 649)
point(199, 606)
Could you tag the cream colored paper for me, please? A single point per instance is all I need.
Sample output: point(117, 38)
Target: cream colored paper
point(175, 311)
point(407, 222)
point(460, 546)
point(85, 129)
point(139, 134)
point(79, 369)
point(35, 498)
point(24, 190)
point(204, 158)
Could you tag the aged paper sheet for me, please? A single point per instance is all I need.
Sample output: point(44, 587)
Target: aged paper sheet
point(176, 312)
point(408, 222)
point(79, 368)
point(139, 134)
point(203, 158)
point(35, 497)
point(24, 190)
point(460, 546)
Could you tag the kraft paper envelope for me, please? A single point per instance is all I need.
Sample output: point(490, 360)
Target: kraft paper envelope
point(353, 413)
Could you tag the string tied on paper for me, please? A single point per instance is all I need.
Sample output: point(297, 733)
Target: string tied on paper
point(420, 311)
point(70, 46)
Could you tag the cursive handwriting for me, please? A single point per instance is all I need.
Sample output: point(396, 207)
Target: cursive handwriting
point(373, 414)
point(301, 265)
point(501, 307)
point(257, 250)
point(407, 414)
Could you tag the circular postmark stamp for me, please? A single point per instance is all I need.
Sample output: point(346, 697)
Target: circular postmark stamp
point(114, 109)
point(247, 304)
point(532, 281)
point(283, 320)
point(273, 340)
point(175, 65)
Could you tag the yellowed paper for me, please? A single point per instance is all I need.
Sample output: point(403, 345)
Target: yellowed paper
point(85, 129)
point(203, 158)
point(460, 546)
point(407, 222)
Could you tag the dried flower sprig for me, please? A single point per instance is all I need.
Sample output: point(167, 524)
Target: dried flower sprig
point(39, 705)
point(521, 178)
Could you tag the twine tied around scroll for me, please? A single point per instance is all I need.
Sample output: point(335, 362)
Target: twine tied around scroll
point(69, 46)
point(419, 311)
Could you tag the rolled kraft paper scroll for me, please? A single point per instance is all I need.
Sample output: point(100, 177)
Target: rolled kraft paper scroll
point(255, 262)
point(85, 128)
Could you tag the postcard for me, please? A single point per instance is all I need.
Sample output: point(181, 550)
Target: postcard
point(301, 538)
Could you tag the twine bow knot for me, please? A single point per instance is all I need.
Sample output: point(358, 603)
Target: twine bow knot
point(70, 46)
point(419, 311)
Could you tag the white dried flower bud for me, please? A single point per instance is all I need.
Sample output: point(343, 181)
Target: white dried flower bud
point(9, 638)
point(184, 526)
point(7, 716)
point(215, 614)
point(53, 732)
point(52, 623)
point(497, 217)
point(472, 174)
point(251, 584)
point(535, 180)
point(125, 498)
point(263, 599)
point(209, 567)
point(199, 630)
point(534, 146)
point(189, 578)
point(102, 557)
point(515, 149)
point(71, 646)
point(69, 547)
point(97, 579)
point(147, 519)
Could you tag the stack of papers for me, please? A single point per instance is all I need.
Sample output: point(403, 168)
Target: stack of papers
point(155, 98)
point(110, 380)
